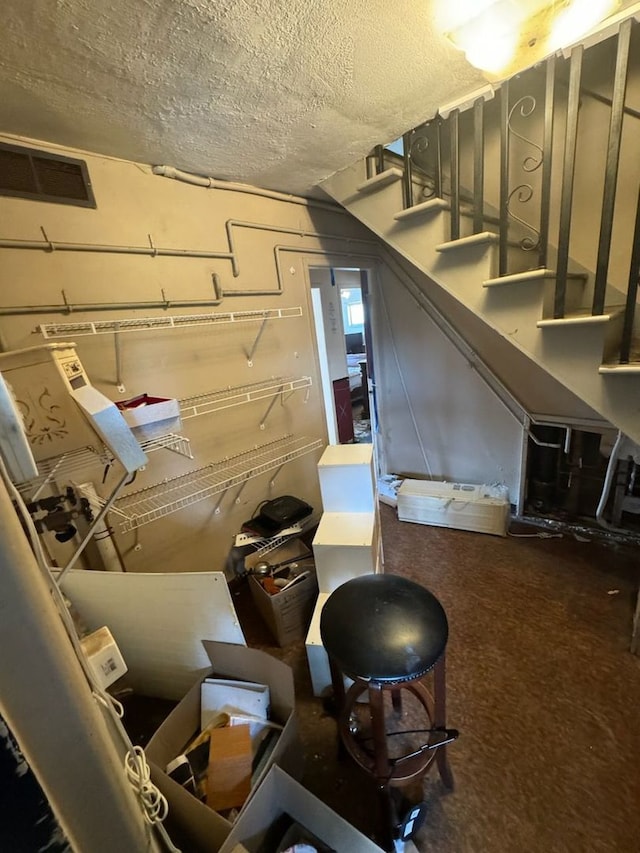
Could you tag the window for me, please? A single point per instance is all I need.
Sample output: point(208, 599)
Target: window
point(356, 314)
point(41, 176)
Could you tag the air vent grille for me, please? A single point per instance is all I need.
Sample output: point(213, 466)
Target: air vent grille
point(40, 176)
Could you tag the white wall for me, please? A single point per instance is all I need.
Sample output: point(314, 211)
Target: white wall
point(132, 204)
point(437, 416)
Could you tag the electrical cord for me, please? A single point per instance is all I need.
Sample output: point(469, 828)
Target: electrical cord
point(153, 804)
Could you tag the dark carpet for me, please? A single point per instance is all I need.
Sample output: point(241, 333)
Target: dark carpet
point(540, 684)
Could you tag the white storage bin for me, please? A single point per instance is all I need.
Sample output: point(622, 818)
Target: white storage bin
point(347, 478)
point(463, 506)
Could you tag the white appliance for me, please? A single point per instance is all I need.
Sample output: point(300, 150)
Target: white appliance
point(46, 396)
point(463, 506)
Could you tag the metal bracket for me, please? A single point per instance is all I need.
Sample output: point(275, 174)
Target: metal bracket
point(119, 383)
point(272, 482)
point(270, 407)
point(250, 354)
point(240, 490)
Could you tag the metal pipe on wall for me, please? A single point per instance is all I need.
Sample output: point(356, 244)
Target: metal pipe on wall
point(214, 184)
point(47, 245)
point(70, 308)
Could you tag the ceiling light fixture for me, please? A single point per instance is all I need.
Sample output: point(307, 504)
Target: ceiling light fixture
point(502, 37)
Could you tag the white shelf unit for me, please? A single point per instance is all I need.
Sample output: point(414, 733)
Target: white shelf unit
point(61, 467)
point(348, 542)
point(227, 398)
point(150, 324)
point(157, 501)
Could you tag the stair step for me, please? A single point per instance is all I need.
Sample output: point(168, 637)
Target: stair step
point(528, 275)
point(514, 278)
point(582, 318)
point(485, 237)
point(389, 176)
point(434, 205)
point(616, 369)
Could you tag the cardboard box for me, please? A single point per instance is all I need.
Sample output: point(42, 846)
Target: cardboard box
point(463, 506)
point(150, 417)
point(202, 828)
point(280, 794)
point(287, 613)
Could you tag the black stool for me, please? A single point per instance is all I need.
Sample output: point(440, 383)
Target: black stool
point(386, 633)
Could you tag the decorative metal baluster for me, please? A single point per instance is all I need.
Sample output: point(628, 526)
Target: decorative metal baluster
point(632, 292)
point(504, 178)
point(478, 166)
point(570, 139)
point(454, 130)
point(523, 193)
point(547, 154)
point(613, 160)
point(408, 170)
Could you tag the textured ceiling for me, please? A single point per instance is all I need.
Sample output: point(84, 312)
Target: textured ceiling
point(276, 93)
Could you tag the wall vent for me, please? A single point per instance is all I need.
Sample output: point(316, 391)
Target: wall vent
point(41, 176)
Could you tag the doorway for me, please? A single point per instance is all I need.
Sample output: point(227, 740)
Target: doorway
point(339, 300)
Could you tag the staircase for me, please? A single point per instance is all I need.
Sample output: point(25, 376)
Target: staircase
point(522, 208)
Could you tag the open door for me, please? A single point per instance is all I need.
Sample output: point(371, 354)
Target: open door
point(344, 346)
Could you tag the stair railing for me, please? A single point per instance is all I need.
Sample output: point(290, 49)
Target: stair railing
point(432, 163)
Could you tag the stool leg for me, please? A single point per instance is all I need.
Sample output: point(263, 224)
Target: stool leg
point(339, 699)
point(338, 685)
point(440, 719)
point(396, 700)
point(381, 758)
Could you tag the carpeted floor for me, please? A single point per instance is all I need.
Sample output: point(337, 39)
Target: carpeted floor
point(541, 686)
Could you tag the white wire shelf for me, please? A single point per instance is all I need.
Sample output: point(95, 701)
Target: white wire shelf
point(154, 502)
point(263, 546)
point(62, 467)
point(227, 398)
point(170, 441)
point(149, 324)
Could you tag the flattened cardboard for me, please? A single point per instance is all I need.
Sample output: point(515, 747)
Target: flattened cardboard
point(158, 621)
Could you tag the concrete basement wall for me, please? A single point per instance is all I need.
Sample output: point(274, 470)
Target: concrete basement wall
point(134, 206)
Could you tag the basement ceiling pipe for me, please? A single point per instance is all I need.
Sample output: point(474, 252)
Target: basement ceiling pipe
point(48, 245)
point(71, 308)
point(214, 184)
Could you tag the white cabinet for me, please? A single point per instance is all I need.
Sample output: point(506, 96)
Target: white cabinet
point(345, 546)
point(347, 478)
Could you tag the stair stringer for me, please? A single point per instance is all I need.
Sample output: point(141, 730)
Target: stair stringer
point(572, 354)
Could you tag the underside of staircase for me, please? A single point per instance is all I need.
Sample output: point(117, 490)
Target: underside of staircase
point(464, 253)
point(575, 350)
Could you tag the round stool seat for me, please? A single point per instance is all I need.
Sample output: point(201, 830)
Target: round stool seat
point(383, 628)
